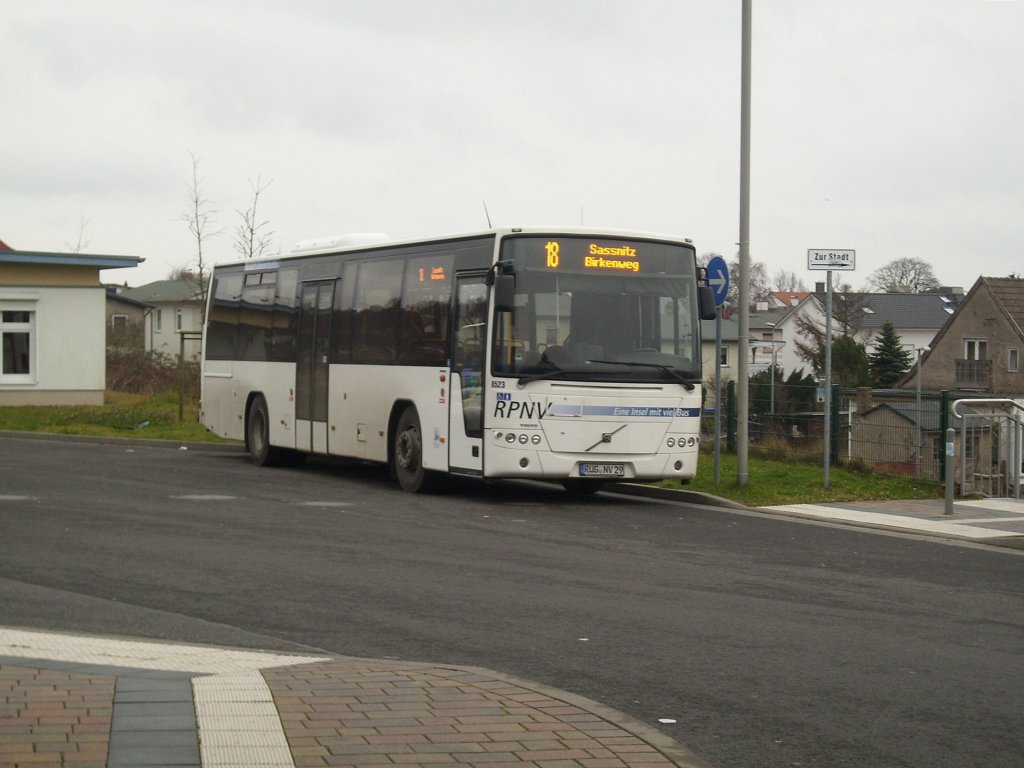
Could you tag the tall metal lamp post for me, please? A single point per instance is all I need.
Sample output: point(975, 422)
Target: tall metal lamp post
point(920, 447)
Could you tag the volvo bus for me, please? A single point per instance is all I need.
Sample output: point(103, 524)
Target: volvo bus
point(565, 354)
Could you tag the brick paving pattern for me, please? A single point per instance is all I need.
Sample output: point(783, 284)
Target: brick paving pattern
point(50, 719)
point(360, 713)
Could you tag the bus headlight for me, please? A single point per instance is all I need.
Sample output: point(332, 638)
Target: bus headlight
point(680, 442)
point(520, 438)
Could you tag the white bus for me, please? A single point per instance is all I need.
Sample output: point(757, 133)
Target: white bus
point(570, 355)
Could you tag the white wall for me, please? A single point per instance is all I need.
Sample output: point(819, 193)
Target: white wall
point(71, 338)
point(167, 341)
point(68, 346)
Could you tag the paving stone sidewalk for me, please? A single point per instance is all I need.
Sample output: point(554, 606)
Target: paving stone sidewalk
point(354, 712)
point(90, 708)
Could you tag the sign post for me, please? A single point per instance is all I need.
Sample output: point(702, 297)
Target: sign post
point(829, 259)
point(718, 279)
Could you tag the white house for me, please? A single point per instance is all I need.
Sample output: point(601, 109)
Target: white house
point(917, 318)
point(176, 310)
point(53, 326)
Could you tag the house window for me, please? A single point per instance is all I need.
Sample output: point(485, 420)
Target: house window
point(177, 319)
point(724, 356)
point(158, 320)
point(16, 330)
point(971, 447)
point(118, 321)
point(1012, 360)
point(975, 349)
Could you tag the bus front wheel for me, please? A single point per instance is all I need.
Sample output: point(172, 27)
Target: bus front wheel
point(257, 436)
point(407, 455)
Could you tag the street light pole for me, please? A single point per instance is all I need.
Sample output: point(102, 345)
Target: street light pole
point(742, 381)
point(772, 326)
point(920, 447)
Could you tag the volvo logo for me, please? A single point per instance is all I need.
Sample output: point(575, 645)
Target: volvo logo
point(606, 437)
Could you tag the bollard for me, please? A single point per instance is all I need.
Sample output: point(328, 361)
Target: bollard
point(950, 468)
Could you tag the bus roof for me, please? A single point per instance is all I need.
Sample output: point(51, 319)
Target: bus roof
point(370, 241)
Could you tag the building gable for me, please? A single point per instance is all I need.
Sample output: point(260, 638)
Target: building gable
point(979, 349)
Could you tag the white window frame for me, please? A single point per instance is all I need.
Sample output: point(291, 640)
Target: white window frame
point(19, 328)
point(976, 349)
point(1012, 360)
point(158, 320)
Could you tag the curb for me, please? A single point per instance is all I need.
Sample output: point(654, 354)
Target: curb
point(671, 494)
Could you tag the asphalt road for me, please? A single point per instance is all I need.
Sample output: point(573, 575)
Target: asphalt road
point(769, 642)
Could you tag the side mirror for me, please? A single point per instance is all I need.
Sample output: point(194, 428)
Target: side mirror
point(503, 277)
point(706, 300)
point(504, 292)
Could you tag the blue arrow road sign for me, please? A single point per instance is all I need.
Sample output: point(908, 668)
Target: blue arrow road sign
point(718, 279)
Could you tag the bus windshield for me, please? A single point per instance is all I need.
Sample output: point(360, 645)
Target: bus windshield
point(599, 309)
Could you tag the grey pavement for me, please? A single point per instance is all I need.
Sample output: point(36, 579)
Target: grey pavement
point(70, 700)
point(990, 521)
point(87, 701)
point(995, 522)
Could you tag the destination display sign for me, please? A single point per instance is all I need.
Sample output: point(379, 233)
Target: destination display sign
point(582, 255)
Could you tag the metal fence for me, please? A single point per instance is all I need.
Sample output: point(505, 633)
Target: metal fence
point(896, 432)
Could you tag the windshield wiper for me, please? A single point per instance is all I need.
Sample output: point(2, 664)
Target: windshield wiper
point(688, 383)
point(538, 376)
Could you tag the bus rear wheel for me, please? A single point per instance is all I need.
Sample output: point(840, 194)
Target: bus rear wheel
point(407, 456)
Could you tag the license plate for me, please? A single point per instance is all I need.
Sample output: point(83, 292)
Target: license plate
point(602, 470)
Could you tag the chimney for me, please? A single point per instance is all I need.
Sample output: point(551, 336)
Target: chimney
point(819, 287)
point(863, 398)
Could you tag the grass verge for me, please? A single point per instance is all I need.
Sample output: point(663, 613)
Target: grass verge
point(772, 481)
point(122, 415)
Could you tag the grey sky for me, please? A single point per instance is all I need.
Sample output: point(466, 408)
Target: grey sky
point(892, 127)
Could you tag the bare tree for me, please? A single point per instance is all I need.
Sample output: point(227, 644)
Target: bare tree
point(847, 316)
point(251, 237)
point(848, 309)
point(906, 275)
point(784, 280)
point(81, 243)
point(200, 217)
point(759, 285)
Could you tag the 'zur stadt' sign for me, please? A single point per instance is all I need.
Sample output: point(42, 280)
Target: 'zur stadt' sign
point(831, 258)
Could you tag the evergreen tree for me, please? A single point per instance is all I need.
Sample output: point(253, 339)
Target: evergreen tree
point(850, 365)
point(890, 360)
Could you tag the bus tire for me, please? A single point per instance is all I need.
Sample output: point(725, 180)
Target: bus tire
point(257, 436)
point(407, 455)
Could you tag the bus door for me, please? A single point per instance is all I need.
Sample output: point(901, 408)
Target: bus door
point(312, 366)
point(465, 417)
